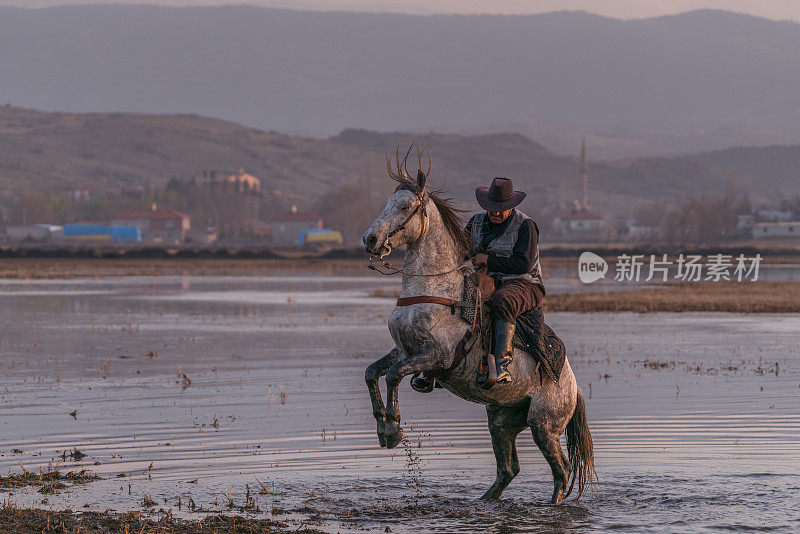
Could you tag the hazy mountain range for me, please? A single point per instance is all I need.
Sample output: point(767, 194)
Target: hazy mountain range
point(690, 82)
point(623, 9)
point(52, 152)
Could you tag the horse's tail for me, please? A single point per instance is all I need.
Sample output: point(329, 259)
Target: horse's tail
point(579, 448)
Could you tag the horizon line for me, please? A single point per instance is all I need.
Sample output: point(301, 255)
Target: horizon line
point(311, 9)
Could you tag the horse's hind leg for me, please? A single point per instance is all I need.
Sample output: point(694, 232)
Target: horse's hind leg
point(374, 371)
point(547, 424)
point(550, 446)
point(504, 425)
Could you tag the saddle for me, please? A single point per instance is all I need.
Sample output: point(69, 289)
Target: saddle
point(476, 295)
point(532, 334)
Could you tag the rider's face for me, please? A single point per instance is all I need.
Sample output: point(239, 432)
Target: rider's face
point(499, 216)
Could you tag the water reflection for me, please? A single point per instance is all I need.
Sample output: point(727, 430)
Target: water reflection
point(695, 423)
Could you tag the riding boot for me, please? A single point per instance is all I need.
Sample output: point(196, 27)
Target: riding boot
point(494, 369)
point(503, 349)
point(423, 384)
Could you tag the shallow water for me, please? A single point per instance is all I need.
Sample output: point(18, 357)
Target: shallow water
point(694, 416)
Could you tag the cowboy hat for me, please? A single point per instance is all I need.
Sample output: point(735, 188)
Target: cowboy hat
point(500, 196)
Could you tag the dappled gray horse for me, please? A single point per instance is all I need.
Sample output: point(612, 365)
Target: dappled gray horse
point(426, 335)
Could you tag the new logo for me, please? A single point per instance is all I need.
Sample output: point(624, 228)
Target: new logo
point(591, 267)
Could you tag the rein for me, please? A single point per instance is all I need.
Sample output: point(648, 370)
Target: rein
point(394, 270)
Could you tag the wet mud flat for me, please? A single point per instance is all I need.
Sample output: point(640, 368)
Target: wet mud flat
point(200, 396)
point(60, 268)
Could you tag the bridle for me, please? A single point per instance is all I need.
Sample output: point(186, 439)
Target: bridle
point(421, 208)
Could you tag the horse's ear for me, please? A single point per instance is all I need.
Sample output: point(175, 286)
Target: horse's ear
point(421, 178)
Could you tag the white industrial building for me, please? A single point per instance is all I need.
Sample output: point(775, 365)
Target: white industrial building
point(33, 233)
point(787, 229)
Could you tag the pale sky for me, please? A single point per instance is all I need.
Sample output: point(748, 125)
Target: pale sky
point(774, 9)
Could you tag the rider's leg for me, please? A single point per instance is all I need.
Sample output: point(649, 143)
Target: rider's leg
point(513, 298)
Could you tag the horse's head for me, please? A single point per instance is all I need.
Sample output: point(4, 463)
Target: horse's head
point(403, 220)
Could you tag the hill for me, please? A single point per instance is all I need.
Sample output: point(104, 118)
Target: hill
point(52, 152)
point(777, 165)
point(697, 81)
point(106, 151)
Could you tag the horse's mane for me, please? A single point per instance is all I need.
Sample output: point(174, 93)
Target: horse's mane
point(450, 214)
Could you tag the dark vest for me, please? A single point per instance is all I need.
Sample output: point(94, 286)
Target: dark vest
point(503, 245)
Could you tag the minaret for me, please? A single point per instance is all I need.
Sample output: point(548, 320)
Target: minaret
point(584, 175)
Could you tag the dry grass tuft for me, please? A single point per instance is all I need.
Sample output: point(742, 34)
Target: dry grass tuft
point(733, 297)
point(49, 481)
point(13, 519)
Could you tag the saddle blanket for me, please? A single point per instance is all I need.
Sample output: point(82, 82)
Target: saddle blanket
point(539, 340)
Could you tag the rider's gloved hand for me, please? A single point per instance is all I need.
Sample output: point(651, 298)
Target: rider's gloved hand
point(480, 260)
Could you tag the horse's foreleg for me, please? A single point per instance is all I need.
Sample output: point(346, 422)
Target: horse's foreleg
point(373, 373)
point(504, 425)
point(428, 358)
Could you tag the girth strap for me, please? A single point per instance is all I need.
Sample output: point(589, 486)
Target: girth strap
point(425, 299)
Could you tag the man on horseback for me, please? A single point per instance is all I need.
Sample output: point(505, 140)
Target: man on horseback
point(506, 241)
point(427, 333)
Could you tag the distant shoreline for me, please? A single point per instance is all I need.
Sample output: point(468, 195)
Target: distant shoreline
point(772, 252)
point(71, 268)
point(89, 263)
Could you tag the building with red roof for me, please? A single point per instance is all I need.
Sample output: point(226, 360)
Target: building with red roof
point(578, 223)
point(157, 225)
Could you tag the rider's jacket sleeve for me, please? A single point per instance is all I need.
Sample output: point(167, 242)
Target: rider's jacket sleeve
point(523, 256)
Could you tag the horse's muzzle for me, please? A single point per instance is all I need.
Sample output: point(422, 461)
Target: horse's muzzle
point(370, 241)
point(374, 246)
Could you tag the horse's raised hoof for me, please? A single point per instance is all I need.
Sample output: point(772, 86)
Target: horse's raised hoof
point(393, 439)
point(423, 384)
point(381, 420)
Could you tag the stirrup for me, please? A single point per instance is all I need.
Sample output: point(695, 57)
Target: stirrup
point(491, 374)
point(483, 372)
